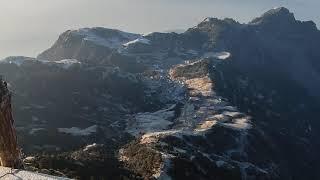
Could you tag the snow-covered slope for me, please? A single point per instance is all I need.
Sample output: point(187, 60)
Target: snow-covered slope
point(75, 131)
point(94, 45)
point(110, 38)
point(17, 174)
point(20, 60)
point(203, 113)
point(65, 63)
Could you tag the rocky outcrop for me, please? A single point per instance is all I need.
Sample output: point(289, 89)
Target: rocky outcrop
point(9, 151)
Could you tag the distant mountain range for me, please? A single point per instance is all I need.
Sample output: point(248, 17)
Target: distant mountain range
point(221, 100)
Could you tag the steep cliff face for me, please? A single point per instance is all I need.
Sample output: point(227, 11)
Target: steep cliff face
point(9, 151)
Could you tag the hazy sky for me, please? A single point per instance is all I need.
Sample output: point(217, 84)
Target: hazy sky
point(30, 26)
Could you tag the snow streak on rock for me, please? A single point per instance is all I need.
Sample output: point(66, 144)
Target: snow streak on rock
point(75, 131)
point(139, 40)
point(150, 122)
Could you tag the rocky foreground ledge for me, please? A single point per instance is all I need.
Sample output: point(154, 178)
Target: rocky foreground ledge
point(16, 174)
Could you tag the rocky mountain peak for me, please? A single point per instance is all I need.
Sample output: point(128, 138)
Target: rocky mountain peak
point(275, 16)
point(215, 23)
point(80, 44)
point(279, 10)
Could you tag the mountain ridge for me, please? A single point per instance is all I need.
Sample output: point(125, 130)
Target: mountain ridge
point(276, 33)
point(222, 100)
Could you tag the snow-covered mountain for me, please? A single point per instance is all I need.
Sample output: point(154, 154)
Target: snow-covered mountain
point(222, 100)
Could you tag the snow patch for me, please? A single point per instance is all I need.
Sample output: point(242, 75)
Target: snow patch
point(19, 60)
point(75, 131)
point(150, 122)
point(239, 124)
point(139, 40)
point(220, 163)
point(147, 34)
point(91, 146)
point(232, 114)
point(35, 130)
point(154, 136)
point(67, 63)
point(208, 19)
point(219, 55)
point(193, 52)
